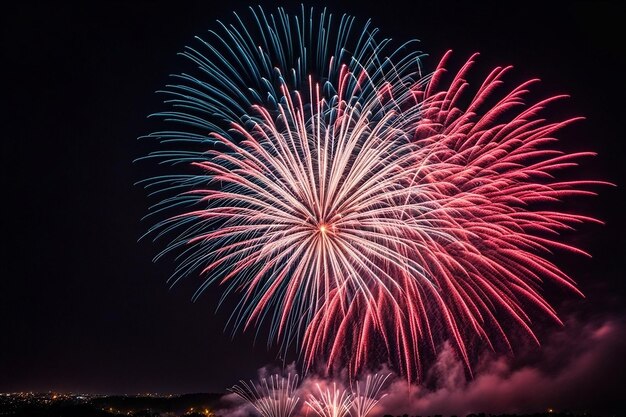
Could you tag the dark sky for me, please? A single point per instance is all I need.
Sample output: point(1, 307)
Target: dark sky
point(83, 308)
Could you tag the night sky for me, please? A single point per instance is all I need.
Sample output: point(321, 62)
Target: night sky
point(82, 306)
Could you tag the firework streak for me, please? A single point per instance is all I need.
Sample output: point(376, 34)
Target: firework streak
point(277, 396)
point(354, 203)
point(270, 398)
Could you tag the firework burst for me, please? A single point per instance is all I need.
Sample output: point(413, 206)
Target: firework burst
point(354, 202)
point(330, 402)
point(273, 397)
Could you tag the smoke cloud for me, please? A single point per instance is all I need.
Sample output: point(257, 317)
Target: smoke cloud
point(578, 369)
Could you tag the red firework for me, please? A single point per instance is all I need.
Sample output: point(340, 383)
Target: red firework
point(366, 204)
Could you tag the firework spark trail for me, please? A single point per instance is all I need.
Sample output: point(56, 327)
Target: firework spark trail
point(366, 394)
point(277, 396)
point(331, 402)
point(354, 202)
point(273, 398)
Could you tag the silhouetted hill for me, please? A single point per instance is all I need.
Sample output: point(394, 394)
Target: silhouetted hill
point(188, 405)
point(176, 404)
point(63, 405)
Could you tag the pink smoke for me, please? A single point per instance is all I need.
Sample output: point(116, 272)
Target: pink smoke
point(579, 370)
point(590, 357)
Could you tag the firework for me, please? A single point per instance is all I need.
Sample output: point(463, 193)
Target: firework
point(331, 402)
point(271, 398)
point(366, 394)
point(353, 202)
